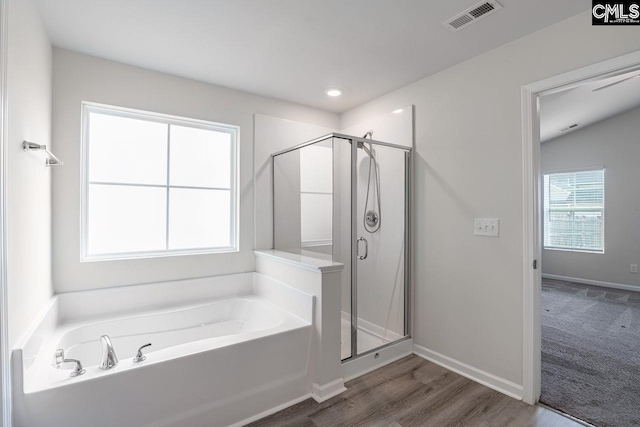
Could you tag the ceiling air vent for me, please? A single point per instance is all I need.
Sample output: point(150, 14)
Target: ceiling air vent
point(472, 14)
point(573, 126)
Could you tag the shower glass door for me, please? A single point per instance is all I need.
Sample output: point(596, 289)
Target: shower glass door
point(380, 226)
point(345, 199)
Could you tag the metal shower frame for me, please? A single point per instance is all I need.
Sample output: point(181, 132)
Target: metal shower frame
point(354, 141)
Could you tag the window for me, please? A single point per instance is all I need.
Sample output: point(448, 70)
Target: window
point(574, 211)
point(156, 185)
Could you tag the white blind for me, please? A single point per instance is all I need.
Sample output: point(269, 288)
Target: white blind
point(574, 211)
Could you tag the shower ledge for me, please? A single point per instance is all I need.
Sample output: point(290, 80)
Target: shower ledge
point(300, 261)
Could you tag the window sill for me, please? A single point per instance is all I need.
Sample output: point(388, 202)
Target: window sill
point(161, 254)
point(581, 251)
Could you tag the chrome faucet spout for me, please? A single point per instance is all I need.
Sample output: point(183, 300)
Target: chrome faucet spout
point(109, 358)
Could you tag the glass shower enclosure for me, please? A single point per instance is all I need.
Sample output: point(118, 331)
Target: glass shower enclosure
point(346, 198)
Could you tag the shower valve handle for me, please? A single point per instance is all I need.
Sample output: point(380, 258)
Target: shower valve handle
point(366, 248)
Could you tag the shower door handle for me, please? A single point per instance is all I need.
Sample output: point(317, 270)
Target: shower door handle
point(366, 248)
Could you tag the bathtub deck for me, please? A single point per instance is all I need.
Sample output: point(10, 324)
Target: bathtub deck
point(415, 392)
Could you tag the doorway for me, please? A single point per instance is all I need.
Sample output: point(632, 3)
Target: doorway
point(557, 227)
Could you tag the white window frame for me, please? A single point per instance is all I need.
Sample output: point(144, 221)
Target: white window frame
point(232, 130)
point(587, 169)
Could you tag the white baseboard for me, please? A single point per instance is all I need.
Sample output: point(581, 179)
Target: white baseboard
point(592, 282)
point(507, 387)
point(271, 411)
point(320, 393)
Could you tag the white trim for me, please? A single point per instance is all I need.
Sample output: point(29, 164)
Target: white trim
point(550, 248)
point(531, 204)
point(321, 393)
point(570, 170)
point(5, 356)
point(507, 387)
point(271, 411)
point(635, 288)
point(157, 254)
point(531, 368)
point(300, 261)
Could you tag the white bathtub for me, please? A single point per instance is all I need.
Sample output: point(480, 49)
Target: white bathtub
point(224, 350)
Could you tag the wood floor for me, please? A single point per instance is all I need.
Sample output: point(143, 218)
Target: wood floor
point(415, 392)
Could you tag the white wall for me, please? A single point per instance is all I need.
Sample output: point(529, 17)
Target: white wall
point(468, 163)
point(614, 144)
point(77, 78)
point(28, 179)
point(393, 126)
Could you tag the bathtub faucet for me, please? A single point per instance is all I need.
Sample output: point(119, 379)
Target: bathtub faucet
point(59, 360)
point(109, 358)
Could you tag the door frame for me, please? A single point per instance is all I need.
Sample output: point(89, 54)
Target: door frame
point(5, 355)
point(355, 219)
point(531, 173)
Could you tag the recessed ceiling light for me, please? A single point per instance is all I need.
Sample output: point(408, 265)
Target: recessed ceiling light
point(398, 111)
point(334, 92)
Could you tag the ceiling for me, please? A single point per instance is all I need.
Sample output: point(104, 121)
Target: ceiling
point(585, 106)
point(293, 49)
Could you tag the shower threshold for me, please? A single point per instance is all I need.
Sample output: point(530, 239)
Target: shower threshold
point(366, 340)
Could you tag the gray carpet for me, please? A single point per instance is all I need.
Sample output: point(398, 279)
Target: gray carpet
point(591, 352)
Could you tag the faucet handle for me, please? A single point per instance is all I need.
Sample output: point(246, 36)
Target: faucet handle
point(140, 357)
point(59, 360)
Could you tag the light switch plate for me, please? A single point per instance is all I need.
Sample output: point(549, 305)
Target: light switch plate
point(486, 227)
